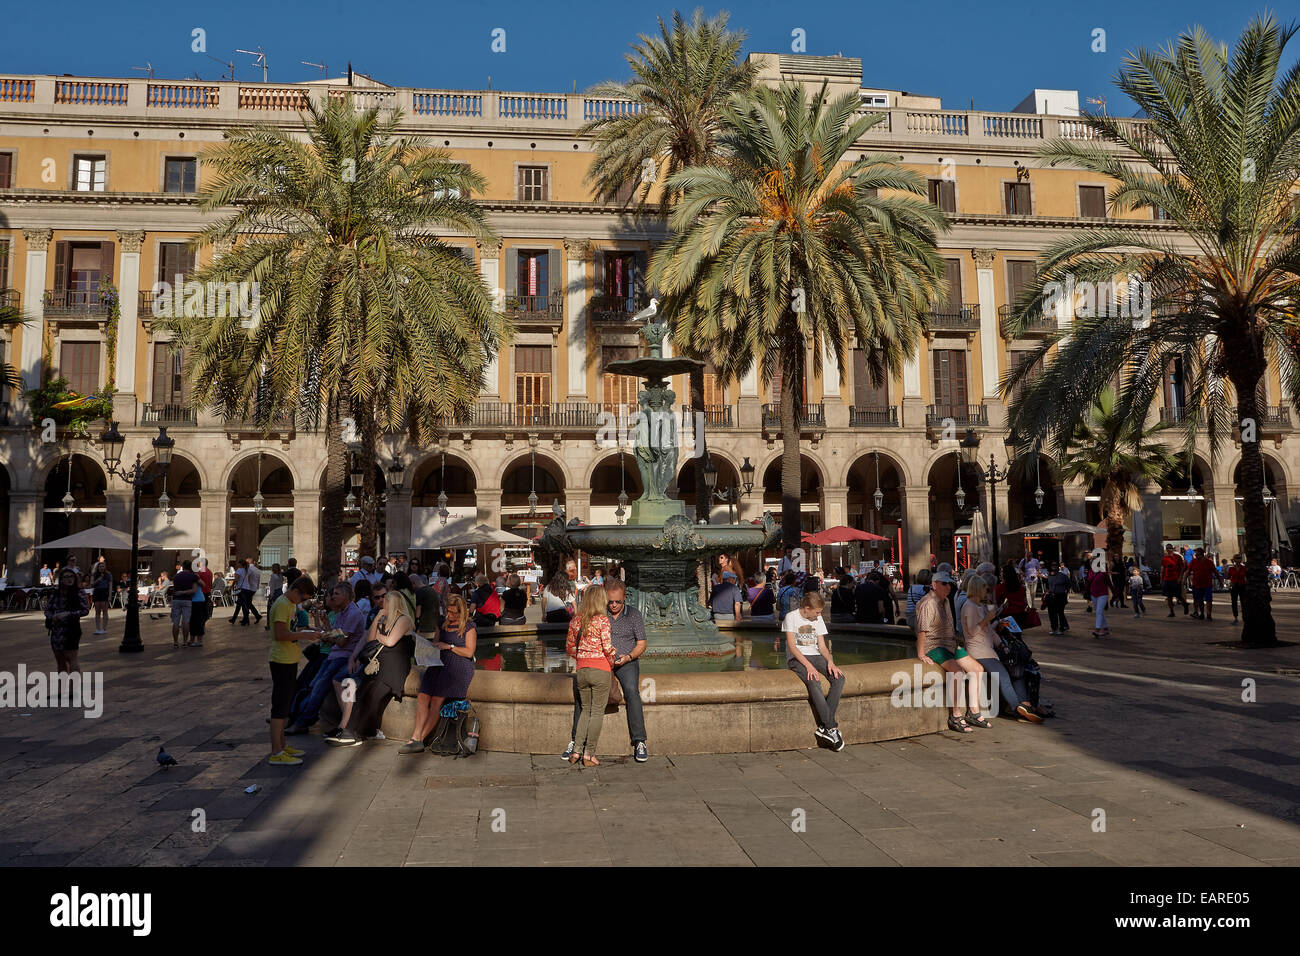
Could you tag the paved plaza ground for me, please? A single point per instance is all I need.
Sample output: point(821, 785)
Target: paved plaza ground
point(1152, 730)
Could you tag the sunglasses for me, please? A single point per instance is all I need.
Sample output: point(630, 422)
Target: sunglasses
point(614, 603)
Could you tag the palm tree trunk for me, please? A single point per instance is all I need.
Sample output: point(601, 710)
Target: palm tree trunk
point(1258, 628)
point(1114, 512)
point(332, 495)
point(791, 486)
point(369, 543)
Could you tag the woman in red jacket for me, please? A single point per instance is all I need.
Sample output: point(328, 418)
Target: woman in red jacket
point(1012, 590)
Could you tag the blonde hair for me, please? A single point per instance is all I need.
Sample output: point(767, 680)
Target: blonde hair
point(813, 600)
point(455, 600)
point(395, 607)
point(591, 605)
point(977, 589)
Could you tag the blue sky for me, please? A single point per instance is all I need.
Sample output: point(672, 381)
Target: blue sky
point(993, 52)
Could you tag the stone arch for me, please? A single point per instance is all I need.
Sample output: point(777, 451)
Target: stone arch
point(761, 466)
point(553, 462)
point(465, 461)
point(895, 461)
point(233, 465)
point(1275, 462)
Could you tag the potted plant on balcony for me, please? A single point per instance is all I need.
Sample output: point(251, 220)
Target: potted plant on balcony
point(71, 411)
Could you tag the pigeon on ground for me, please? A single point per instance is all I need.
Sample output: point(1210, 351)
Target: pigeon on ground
point(165, 759)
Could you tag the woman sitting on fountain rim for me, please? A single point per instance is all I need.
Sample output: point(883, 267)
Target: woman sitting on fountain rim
point(808, 656)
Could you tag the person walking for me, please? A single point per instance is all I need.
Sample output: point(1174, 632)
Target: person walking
point(1135, 585)
point(1202, 573)
point(101, 583)
point(1237, 585)
point(593, 652)
point(240, 576)
point(1172, 568)
point(1099, 585)
point(274, 588)
point(248, 590)
point(183, 590)
point(1058, 595)
point(63, 613)
point(202, 609)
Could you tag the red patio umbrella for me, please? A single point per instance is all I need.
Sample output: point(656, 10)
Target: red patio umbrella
point(841, 534)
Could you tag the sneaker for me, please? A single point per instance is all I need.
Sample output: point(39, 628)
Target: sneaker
point(293, 751)
point(824, 735)
point(377, 735)
point(411, 747)
point(568, 751)
point(344, 738)
point(283, 759)
point(1172, 614)
point(838, 745)
point(1026, 713)
point(639, 752)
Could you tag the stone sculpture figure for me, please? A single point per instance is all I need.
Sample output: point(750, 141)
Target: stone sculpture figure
point(655, 440)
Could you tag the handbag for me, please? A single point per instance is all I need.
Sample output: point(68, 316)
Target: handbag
point(370, 654)
point(1031, 619)
point(615, 695)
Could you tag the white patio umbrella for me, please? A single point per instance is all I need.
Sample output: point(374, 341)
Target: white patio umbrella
point(1139, 536)
point(979, 538)
point(1277, 529)
point(1054, 526)
point(103, 538)
point(1213, 536)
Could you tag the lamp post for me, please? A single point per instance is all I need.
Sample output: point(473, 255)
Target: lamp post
point(993, 475)
point(732, 494)
point(137, 476)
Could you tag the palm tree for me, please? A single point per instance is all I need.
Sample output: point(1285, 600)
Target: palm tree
point(1218, 156)
point(683, 81)
point(11, 318)
point(1122, 453)
point(786, 246)
point(363, 311)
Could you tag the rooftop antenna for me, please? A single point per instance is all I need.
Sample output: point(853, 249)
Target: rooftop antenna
point(147, 68)
point(228, 64)
point(320, 66)
point(1099, 102)
point(259, 58)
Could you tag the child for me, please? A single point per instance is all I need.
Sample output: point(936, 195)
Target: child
point(807, 655)
point(284, 666)
point(1135, 586)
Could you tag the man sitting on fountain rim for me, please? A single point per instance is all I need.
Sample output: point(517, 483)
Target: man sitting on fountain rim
point(627, 634)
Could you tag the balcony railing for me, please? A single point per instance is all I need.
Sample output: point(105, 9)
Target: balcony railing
point(507, 415)
point(1036, 323)
point(74, 302)
point(715, 416)
point(961, 416)
point(10, 299)
point(808, 416)
point(170, 414)
point(608, 308)
point(873, 416)
point(950, 318)
point(279, 425)
point(535, 308)
point(1275, 417)
point(1174, 416)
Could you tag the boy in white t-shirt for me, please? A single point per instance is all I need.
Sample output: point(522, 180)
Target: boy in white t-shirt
point(807, 655)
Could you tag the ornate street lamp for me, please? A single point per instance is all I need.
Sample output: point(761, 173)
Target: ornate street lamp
point(138, 477)
point(69, 503)
point(878, 496)
point(1038, 492)
point(620, 513)
point(532, 486)
point(993, 475)
point(443, 513)
point(747, 477)
point(396, 472)
point(259, 503)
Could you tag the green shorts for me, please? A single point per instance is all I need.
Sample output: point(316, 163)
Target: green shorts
point(941, 655)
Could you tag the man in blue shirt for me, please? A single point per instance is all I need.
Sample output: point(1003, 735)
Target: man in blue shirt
point(725, 599)
point(346, 617)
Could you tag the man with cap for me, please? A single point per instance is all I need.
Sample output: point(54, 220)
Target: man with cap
point(725, 599)
point(366, 572)
point(936, 641)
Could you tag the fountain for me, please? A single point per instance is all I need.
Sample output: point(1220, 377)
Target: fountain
point(660, 547)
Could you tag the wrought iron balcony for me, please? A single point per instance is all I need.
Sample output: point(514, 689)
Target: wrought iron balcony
point(1036, 323)
point(961, 416)
point(76, 303)
point(544, 309)
point(10, 299)
point(873, 416)
point(169, 414)
point(609, 309)
point(950, 318)
point(1275, 418)
point(1174, 416)
point(507, 415)
point(715, 416)
point(808, 416)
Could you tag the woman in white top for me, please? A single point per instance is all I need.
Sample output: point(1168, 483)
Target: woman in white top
point(558, 599)
point(982, 641)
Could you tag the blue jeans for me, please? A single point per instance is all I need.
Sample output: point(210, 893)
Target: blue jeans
point(320, 686)
point(629, 676)
point(1011, 693)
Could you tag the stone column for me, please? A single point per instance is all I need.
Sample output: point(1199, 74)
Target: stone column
point(397, 520)
point(989, 337)
point(490, 268)
point(488, 501)
point(577, 504)
point(1154, 517)
point(577, 252)
point(1071, 501)
point(835, 506)
point(916, 530)
point(118, 511)
point(837, 413)
point(1225, 503)
point(306, 530)
point(128, 287)
point(749, 409)
point(913, 410)
point(1006, 546)
point(29, 361)
point(214, 527)
point(24, 530)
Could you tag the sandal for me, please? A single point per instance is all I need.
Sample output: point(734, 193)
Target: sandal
point(959, 725)
point(977, 720)
point(590, 761)
point(575, 757)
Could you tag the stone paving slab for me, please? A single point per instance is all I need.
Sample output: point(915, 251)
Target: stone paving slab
point(1152, 730)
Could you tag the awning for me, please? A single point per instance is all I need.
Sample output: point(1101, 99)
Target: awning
point(101, 537)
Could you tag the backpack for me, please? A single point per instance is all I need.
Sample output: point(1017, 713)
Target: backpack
point(458, 730)
point(783, 599)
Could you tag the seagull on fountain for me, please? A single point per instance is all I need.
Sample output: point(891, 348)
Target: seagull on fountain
point(648, 312)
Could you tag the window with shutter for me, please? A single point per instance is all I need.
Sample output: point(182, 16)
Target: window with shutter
point(618, 392)
point(89, 173)
point(4, 263)
point(180, 174)
point(1020, 276)
point(85, 270)
point(943, 193)
point(79, 364)
point(865, 394)
point(1175, 393)
point(1092, 202)
point(533, 184)
point(174, 259)
point(6, 170)
point(1016, 199)
point(531, 280)
point(169, 387)
point(952, 271)
point(1020, 360)
point(715, 393)
point(949, 382)
point(532, 382)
